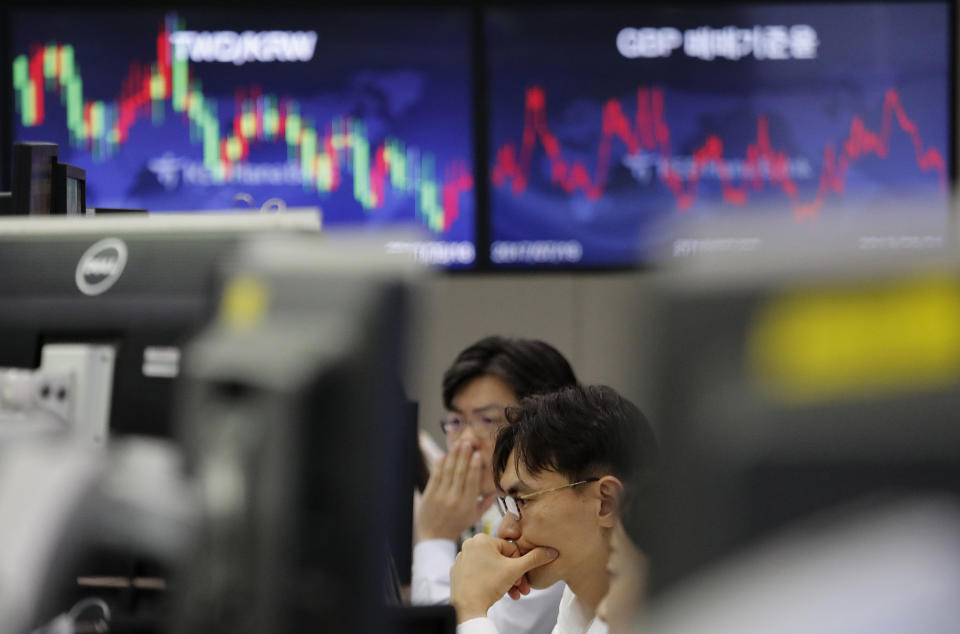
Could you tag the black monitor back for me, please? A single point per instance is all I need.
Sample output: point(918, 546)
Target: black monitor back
point(782, 397)
point(291, 399)
point(163, 295)
point(33, 171)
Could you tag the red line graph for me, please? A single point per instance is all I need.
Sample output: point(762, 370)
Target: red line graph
point(650, 132)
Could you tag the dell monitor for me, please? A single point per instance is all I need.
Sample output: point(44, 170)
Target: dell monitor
point(138, 286)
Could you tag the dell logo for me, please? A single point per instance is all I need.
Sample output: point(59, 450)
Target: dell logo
point(101, 266)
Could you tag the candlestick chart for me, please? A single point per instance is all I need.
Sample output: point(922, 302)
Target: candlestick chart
point(361, 140)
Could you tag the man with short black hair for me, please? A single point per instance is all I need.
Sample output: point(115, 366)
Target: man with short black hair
point(526, 366)
point(561, 465)
point(483, 380)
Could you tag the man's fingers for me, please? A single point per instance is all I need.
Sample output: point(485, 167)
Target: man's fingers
point(464, 458)
point(472, 481)
point(520, 588)
point(508, 548)
point(435, 476)
point(522, 585)
point(449, 467)
point(539, 556)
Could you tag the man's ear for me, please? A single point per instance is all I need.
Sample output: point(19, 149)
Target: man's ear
point(611, 491)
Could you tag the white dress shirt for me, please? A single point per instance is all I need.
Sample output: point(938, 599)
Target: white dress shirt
point(573, 617)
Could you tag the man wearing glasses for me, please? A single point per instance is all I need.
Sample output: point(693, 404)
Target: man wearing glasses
point(560, 465)
point(457, 502)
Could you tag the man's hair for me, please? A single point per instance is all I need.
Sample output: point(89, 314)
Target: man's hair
point(528, 366)
point(580, 432)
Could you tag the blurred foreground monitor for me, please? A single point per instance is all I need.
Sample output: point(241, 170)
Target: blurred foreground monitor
point(291, 406)
point(784, 390)
point(270, 508)
point(94, 312)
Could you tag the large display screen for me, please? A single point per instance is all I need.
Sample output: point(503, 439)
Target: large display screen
point(606, 125)
point(364, 113)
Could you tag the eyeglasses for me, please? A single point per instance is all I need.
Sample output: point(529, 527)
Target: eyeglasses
point(513, 503)
point(454, 425)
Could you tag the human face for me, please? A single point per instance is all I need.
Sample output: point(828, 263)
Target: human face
point(626, 569)
point(481, 402)
point(566, 519)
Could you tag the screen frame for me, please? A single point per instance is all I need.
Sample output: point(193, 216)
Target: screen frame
point(953, 128)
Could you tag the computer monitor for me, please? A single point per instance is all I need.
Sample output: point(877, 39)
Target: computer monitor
point(33, 177)
point(352, 110)
point(274, 506)
point(69, 190)
point(291, 408)
point(612, 127)
point(141, 286)
point(782, 395)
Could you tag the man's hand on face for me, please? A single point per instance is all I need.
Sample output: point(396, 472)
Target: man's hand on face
point(486, 569)
point(449, 505)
